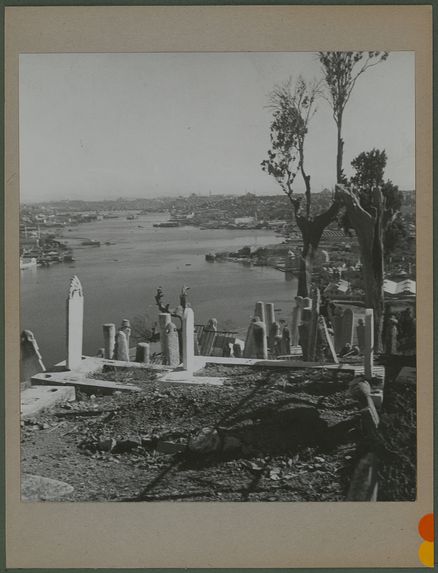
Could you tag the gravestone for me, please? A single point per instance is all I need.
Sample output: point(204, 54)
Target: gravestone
point(260, 310)
point(237, 350)
point(296, 320)
point(143, 353)
point(347, 327)
point(269, 316)
point(304, 328)
point(248, 349)
point(313, 323)
point(109, 339)
point(274, 339)
point(338, 324)
point(260, 343)
point(75, 321)
point(360, 331)
point(171, 346)
point(31, 360)
point(126, 328)
point(285, 344)
point(327, 340)
point(121, 351)
point(369, 343)
point(188, 330)
point(391, 336)
point(163, 320)
point(208, 337)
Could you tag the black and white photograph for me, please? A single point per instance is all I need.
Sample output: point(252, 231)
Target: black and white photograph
point(218, 277)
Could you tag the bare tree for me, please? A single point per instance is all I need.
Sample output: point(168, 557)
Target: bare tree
point(341, 71)
point(293, 107)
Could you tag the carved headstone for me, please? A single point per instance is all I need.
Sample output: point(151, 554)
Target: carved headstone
point(188, 339)
point(109, 339)
point(31, 360)
point(75, 321)
point(171, 346)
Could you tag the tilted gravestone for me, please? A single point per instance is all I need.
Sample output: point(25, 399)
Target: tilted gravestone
point(208, 337)
point(31, 360)
point(75, 322)
point(338, 322)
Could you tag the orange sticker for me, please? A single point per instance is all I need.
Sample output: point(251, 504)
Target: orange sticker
point(426, 528)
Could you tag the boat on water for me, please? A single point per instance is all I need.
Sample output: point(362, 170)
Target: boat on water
point(167, 224)
point(90, 243)
point(26, 263)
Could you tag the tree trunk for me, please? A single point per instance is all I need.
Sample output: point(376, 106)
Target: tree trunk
point(369, 230)
point(306, 267)
point(339, 153)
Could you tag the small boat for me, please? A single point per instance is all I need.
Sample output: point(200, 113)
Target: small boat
point(90, 243)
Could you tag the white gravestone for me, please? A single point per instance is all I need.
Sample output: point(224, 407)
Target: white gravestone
point(188, 339)
point(75, 321)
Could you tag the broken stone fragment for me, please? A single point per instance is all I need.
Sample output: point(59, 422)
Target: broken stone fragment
point(206, 441)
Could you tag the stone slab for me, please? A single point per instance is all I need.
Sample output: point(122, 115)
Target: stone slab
point(182, 376)
point(39, 488)
point(82, 382)
point(38, 398)
point(407, 375)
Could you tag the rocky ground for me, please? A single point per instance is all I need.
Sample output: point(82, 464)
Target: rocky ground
point(264, 436)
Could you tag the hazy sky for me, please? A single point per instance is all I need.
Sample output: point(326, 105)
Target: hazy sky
point(103, 126)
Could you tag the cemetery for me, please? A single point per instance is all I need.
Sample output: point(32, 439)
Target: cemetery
point(304, 411)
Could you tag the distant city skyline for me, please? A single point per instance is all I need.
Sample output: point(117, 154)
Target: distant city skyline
point(109, 126)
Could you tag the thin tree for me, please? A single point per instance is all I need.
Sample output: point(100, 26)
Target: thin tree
point(341, 71)
point(293, 107)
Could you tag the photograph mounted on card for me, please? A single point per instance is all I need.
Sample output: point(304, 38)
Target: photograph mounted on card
point(212, 266)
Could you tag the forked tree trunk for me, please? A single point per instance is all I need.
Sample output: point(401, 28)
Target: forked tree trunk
point(369, 232)
point(311, 232)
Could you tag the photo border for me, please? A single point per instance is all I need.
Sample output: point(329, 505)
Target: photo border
point(398, 541)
